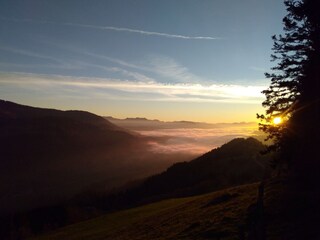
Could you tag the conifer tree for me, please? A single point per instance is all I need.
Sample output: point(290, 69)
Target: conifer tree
point(294, 92)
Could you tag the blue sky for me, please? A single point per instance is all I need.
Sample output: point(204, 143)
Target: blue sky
point(170, 60)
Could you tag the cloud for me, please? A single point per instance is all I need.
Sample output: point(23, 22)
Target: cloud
point(53, 61)
point(110, 59)
point(196, 140)
point(62, 64)
point(31, 54)
point(160, 34)
point(163, 66)
point(171, 69)
point(6, 65)
point(138, 90)
point(134, 75)
point(118, 29)
point(177, 148)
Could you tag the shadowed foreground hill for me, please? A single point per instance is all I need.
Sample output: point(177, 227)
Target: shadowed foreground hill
point(49, 155)
point(220, 215)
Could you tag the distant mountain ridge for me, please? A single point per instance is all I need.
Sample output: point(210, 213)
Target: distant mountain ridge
point(110, 118)
point(142, 123)
point(26, 125)
point(10, 111)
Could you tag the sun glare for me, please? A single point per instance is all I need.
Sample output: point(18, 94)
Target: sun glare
point(277, 120)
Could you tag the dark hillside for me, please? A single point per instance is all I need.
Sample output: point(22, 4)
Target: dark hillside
point(236, 162)
point(220, 215)
point(49, 155)
point(180, 218)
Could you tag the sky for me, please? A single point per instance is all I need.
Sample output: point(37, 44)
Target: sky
point(196, 60)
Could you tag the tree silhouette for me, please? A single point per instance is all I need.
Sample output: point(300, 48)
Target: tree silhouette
point(294, 91)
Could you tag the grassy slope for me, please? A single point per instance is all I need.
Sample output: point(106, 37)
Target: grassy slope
point(210, 216)
point(184, 218)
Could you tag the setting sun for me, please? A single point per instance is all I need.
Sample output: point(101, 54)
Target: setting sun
point(277, 120)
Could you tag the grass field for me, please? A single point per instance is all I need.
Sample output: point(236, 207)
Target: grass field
point(210, 216)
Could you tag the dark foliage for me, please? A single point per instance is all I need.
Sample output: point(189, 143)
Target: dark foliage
point(294, 91)
point(294, 95)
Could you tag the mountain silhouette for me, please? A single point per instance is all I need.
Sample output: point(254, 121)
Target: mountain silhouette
point(48, 155)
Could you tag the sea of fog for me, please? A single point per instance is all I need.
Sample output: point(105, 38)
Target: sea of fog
point(185, 137)
point(195, 140)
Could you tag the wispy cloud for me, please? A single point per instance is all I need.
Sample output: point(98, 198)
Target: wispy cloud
point(118, 29)
point(160, 34)
point(30, 54)
point(137, 76)
point(163, 66)
point(167, 68)
point(110, 59)
point(171, 69)
point(75, 64)
point(134, 75)
point(134, 90)
point(19, 66)
point(53, 62)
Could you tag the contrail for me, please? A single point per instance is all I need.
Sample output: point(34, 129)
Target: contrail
point(119, 29)
point(140, 31)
